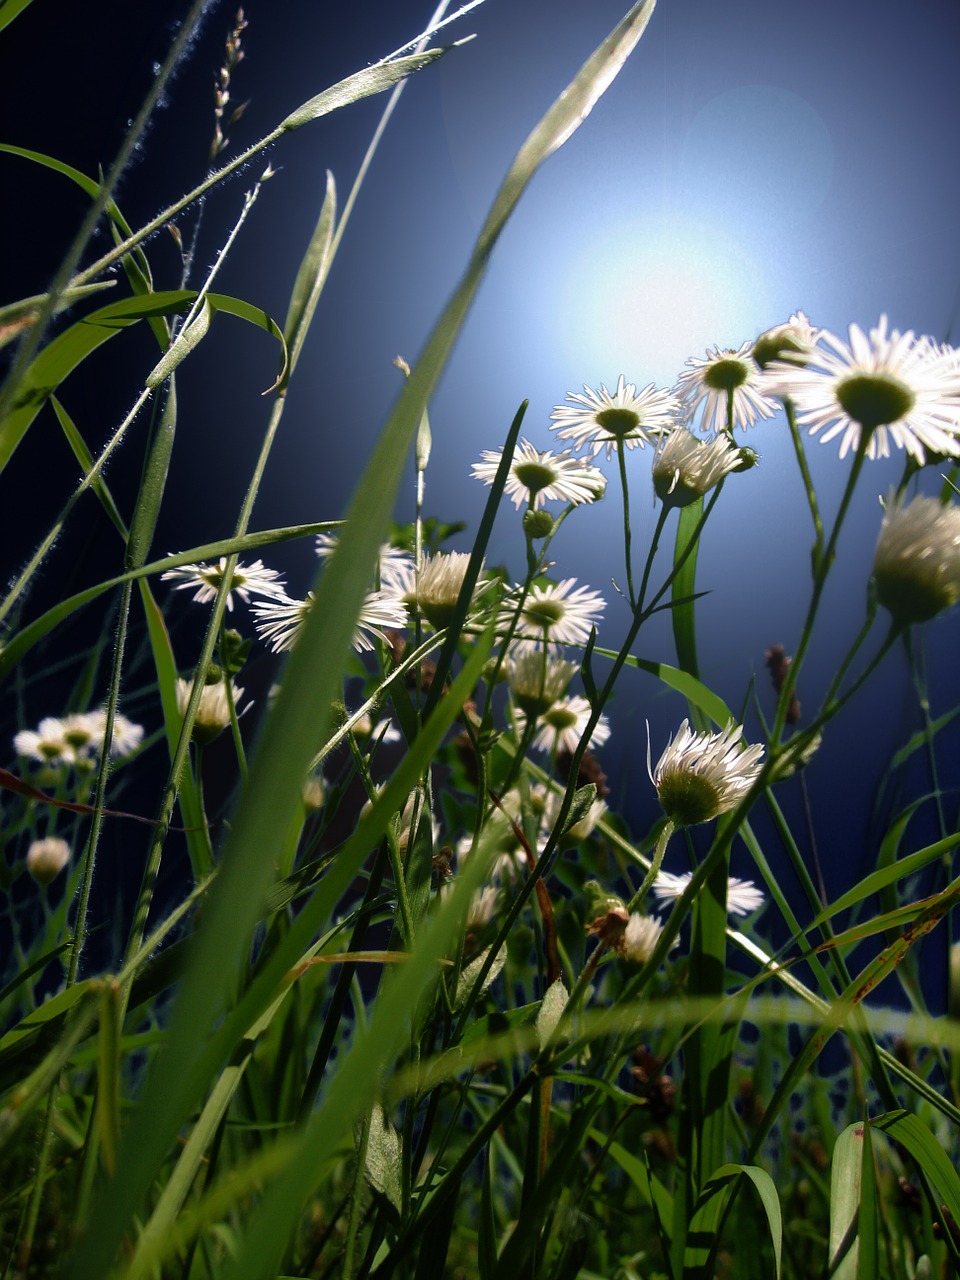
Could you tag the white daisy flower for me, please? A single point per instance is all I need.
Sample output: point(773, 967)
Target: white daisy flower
point(686, 468)
point(564, 725)
point(437, 589)
point(893, 386)
point(213, 714)
point(535, 477)
point(706, 386)
point(484, 905)
point(48, 743)
point(916, 565)
point(279, 624)
point(742, 895)
point(394, 563)
point(640, 938)
point(556, 613)
point(246, 580)
point(597, 418)
point(701, 775)
point(537, 680)
point(793, 342)
point(127, 736)
point(47, 858)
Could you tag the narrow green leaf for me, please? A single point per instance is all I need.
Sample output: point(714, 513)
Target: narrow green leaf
point(712, 1207)
point(15, 317)
point(683, 682)
point(927, 1150)
point(147, 509)
point(487, 1226)
point(383, 1162)
point(85, 458)
point(187, 340)
point(845, 1183)
point(311, 277)
point(10, 9)
point(108, 1075)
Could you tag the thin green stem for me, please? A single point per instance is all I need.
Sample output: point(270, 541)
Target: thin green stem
point(816, 551)
point(625, 489)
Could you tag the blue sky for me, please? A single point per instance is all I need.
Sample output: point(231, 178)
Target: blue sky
point(751, 159)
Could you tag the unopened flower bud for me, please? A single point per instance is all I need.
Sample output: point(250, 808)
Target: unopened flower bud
point(538, 524)
point(47, 858)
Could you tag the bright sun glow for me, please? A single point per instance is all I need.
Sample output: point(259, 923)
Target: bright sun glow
point(644, 296)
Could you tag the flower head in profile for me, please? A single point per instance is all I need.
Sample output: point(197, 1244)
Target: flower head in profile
point(598, 419)
point(701, 775)
point(557, 613)
point(723, 390)
point(686, 468)
point(279, 624)
point(436, 590)
point(893, 386)
point(793, 342)
point(916, 565)
point(536, 679)
point(47, 744)
point(742, 895)
point(246, 580)
point(126, 737)
point(213, 713)
point(46, 858)
point(562, 727)
point(536, 477)
point(640, 938)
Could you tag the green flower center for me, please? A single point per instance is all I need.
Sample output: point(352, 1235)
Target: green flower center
point(77, 738)
point(50, 750)
point(534, 476)
point(688, 798)
point(560, 718)
point(617, 422)
point(544, 613)
point(874, 400)
point(726, 375)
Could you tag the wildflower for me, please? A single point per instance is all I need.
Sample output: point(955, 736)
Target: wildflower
point(393, 563)
point(48, 743)
point(279, 624)
point(701, 775)
point(640, 938)
point(557, 614)
point(47, 858)
point(535, 476)
point(313, 792)
point(127, 736)
point(436, 590)
point(564, 725)
point(916, 565)
point(792, 342)
point(685, 468)
point(742, 895)
point(246, 580)
point(213, 713)
point(383, 732)
point(597, 418)
point(891, 386)
point(484, 905)
point(724, 390)
point(537, 680)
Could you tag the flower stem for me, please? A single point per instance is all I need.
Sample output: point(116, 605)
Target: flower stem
point(621, 459)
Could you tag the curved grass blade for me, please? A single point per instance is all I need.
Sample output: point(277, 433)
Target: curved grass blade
point(712, 1208)
point(695, 692)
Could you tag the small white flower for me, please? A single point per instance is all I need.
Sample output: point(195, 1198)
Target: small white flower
point(246, 580)
point(893, 386)
point(279, 624)
point(706, 387)
point(742, 895)
point(437, 589)
point(484, 905)
point(686, 468)
point(564, 725)
point(213, 714)
point(382, 732)
point(127, 736)
point(535, 477)
point(916, 565)
point(701, 775)
point(47, 744)
point(393, 565)
point(597, 418)
point(793, 342)
point(47, 858)
point(556, 613)
point(537, 680)
point(640, 938)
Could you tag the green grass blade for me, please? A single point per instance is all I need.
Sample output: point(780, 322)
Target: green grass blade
point(311, 278)
point(696, 693)
point(362, 84)
point(10, 9)
point(845, 1184)
point(85, 458)
point(932, 1161)
point(683, 588)
point(712, 1209)
point(108, 1075)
